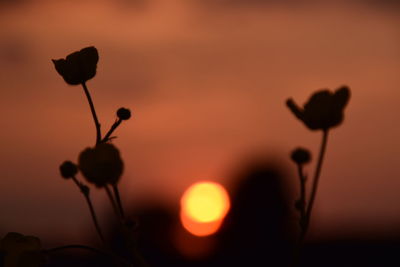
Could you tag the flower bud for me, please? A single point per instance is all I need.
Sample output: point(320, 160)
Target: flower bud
point(123, 113)
point(79, 66)
point(101, 165)
point(324, 109)
point(301, 156)
point(68, 169)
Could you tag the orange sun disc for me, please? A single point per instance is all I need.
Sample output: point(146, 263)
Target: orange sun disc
point(204, 204)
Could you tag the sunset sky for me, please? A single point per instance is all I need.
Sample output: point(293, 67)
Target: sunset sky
point(207, 83)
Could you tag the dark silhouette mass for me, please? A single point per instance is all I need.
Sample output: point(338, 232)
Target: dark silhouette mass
point(266, 225)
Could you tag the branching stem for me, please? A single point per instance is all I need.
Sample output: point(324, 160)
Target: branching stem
point(119, 202)
point(317, 175)
point(113, 127)
point(92, 211)
point(113, 203)
point(93, 110)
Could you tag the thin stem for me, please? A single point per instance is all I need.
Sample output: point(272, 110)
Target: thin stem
point(113, 127)
point(119, 202)
point(112, 200)
point(94, 250)
point(315, 181)
point(305, 212)
point(302, 193)
point(92, 109)
point(302, 200)
point(92, 211)
point(96, 223)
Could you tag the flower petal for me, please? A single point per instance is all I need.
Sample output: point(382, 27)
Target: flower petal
point(88, 58)
point(59, 64)
point(295, 109)
point(341, 97)
point(319, 101)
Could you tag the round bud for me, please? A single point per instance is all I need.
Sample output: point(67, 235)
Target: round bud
point(68, 169)
point(301, 156)
point(101, 165)
point(123, 113)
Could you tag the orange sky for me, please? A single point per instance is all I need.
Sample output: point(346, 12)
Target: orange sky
point(207, 85)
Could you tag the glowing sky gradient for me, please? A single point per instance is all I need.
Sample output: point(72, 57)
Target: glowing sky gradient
point(206, 84)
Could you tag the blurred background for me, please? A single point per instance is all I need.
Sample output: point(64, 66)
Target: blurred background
point(206, 81)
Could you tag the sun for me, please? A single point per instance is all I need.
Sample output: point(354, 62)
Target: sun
point(203, 206)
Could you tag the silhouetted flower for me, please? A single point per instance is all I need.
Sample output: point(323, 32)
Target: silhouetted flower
point(123, 113)
point(21, 250)
point(301, 156)
point(68, 169)
point(101, 165)
point(323, 110)
point(79, 66)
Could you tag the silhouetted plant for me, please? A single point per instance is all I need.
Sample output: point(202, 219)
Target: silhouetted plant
point(102, 164)
point(323, 111)
point(69, 170)
point(21, 250)
point(301, 156)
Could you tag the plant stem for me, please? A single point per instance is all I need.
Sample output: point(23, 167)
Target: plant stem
point(113, 127)
point(92, 211)
point(315, 182)
point(119, 202)
point(305, 212)
point(95, 250)
point(112, 200)
point(302, 209)
point(302, 194)
point(92, 109)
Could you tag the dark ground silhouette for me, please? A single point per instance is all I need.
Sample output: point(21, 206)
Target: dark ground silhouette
point(258, 231)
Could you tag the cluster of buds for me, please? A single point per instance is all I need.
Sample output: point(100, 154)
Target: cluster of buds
point(101, 164)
